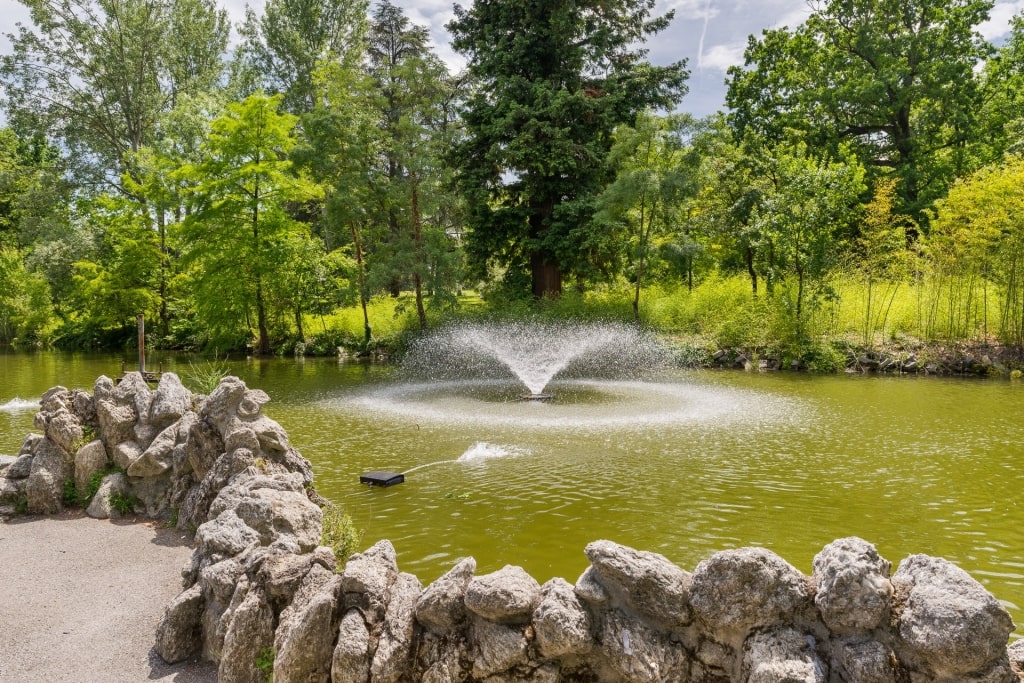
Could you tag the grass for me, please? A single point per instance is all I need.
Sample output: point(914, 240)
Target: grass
point(719, 312)
point(204, 376)
point(265, 663)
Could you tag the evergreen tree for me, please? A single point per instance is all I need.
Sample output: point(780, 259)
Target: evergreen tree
point(552, 81)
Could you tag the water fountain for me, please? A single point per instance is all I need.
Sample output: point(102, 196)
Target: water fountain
point(535, 352)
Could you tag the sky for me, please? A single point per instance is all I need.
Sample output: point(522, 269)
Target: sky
point(710, 34)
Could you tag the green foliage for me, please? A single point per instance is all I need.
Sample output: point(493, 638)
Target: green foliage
point(555, 79)
point(243, 244)
point(822, 358)
point(70, 495)
point(124, 504)
point(265, 663)
point(893, 80)
point(204, 376)
point(339, 533)
point(978, 239)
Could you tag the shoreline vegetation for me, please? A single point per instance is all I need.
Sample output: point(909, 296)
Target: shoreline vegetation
point(715, 325)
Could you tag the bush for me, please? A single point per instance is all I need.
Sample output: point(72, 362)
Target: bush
point(339, 533)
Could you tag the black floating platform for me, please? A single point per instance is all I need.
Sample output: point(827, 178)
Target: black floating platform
point(381, 478)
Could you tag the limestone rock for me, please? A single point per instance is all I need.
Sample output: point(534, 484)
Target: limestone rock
point(498, 647)
point(561, 624)
point(90, 459)
point(507, 596)
point(100, 506)
point(29, 445)
point(441, 607)
point(21, 467)
point(103, 388)
point(639, 654)
point(54, 399)
point(170, 401)
point(248, 638)
point(6, 461)
point(203, 446)
point(125, 453)
point(863, 661)
point(220, 579)
point(82, 407)
point(158, 457)
point(64, 430)
point(949, 624)
point(445, 662)
point(305, 636)
point(1015, 652)
point(747, 588)
point(368, 578)
point(643, 581)
point(179, 635)
point(351, 660)
point(227, 535)
point(133, 391)
point(45, 486)
point(589, 589)
point(394, 647)
point(854, 591)
point(782, 654)
point(280, 574)
point(276, 514)
point(116, 422)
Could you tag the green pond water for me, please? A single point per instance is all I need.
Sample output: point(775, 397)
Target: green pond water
point(683, 464)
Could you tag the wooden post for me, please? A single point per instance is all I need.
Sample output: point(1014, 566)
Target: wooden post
point(142, 343)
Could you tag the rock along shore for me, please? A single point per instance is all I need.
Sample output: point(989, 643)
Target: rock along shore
point(262, 597)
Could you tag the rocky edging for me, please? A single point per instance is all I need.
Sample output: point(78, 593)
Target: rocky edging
point(263, 598)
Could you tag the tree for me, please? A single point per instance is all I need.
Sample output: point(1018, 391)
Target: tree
point(894, 80)
point(98, 74)
point(811, 200)
point(284, 46)
point(731, 184)
point(653, 179)
point(1003, 87)
point(414, 94)
point(241, 238)
point(881, 254)
point(552, 81)
point(978, 231)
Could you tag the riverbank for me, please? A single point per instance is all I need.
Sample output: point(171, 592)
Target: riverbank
point(83, 597)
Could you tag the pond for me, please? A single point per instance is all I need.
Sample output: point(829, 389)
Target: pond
point(684, 465)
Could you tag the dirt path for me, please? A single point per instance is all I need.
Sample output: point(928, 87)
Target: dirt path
point(80, 600)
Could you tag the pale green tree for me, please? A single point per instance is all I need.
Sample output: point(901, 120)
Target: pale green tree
point(241, 239)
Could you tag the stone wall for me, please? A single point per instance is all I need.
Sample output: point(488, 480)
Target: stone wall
point(262, 597)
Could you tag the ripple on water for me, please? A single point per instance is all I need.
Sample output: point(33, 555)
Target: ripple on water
point(591, 404)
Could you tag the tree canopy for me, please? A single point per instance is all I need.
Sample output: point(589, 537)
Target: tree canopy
point(551, 83)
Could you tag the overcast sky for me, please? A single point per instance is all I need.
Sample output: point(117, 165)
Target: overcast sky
point(709, 34)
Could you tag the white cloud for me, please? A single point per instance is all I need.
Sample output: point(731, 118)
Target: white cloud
point(723, 56)
point(998, 24)
point(690, 10)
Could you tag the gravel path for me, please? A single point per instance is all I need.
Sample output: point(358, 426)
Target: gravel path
point(80, 600)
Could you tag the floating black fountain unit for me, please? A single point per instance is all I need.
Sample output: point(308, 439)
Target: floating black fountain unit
point(381, 478)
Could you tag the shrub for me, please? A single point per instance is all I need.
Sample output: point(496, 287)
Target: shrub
point(339, 533)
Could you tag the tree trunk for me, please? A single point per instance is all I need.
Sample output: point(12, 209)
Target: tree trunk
point(547, 278)
point(263, 346)
point(750, 269)
point(417, 236)
point(360, 270)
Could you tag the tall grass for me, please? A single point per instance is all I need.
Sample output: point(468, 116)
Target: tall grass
point(720, 311)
